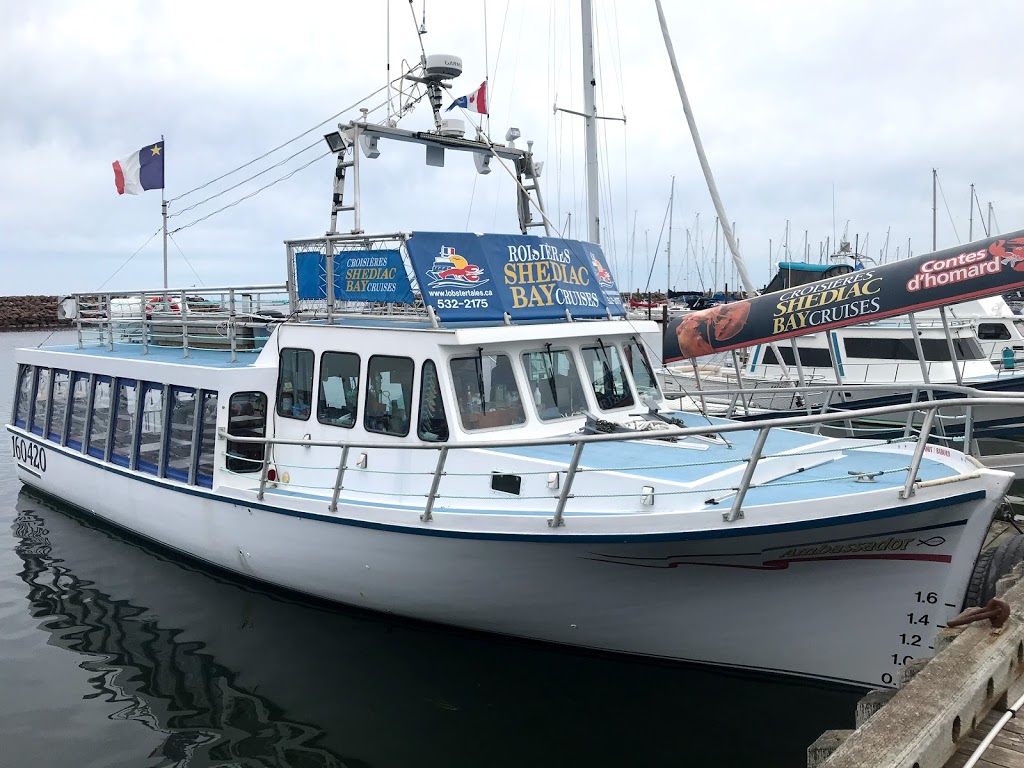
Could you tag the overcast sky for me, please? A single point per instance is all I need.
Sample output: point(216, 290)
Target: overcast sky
point(793, 100)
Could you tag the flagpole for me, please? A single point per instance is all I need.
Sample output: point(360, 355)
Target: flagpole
point(163, 210)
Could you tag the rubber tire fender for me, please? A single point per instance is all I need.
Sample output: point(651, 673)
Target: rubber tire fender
point(992, 564)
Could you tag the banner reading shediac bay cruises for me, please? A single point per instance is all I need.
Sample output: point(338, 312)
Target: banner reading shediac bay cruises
point(363, 275)
point(464, 276)
point(983, 268)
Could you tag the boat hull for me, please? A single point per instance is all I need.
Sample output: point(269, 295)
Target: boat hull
point(852, 600)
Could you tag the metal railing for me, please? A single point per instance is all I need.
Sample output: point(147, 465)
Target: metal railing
point(578, 443)
point(236, 318)
point(833, 397)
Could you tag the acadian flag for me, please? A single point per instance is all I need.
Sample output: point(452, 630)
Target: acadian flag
point(141, 170)
point(474, 102)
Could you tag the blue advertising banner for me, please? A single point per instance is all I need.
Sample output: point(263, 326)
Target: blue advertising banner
point(358, 276)
point(481, 277)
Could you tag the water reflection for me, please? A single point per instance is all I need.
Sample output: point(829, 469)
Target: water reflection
point(230, 674)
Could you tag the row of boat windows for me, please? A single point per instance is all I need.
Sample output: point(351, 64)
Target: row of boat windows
point(162, 430)
point(935, 350)
point(486, 385)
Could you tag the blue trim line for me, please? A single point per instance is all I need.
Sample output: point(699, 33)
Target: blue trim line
point(757, 353)
point(642, 538)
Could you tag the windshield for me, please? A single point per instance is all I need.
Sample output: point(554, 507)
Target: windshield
point(486, 391)
point(607, 377)
point(640, 366)
point(554, 383)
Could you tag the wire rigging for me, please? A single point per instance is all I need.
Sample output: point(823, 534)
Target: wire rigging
point(251, 194)
point(948, 213)
point(125, 264)
point(292, 140)
point(269, 168)
point(187, 261)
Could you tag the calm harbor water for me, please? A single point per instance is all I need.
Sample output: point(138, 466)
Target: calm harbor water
point(114, 652)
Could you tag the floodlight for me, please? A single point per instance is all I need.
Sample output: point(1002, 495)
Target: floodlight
point(335, 141)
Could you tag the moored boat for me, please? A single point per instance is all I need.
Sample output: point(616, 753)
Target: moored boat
point(466, 429)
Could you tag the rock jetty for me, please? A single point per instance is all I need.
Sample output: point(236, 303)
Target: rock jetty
point(29, 312)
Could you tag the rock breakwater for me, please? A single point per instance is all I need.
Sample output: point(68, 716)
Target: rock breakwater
point(29, 312)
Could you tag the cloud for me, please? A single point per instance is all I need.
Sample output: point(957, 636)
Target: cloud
point(792, 100)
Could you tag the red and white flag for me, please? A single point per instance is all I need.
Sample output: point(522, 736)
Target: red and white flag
point(474, 102)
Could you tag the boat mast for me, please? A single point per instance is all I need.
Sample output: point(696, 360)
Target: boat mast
point(970, 220)
point(935, 207)
point(590, 123)
point(741, 266)
point(668, 252)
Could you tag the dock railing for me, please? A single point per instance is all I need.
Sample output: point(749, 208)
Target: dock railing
point(563, 479)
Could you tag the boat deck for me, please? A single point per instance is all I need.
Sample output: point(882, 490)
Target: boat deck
point(667, 462)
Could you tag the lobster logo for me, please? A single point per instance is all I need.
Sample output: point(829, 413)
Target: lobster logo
point(604, 277)
point(1010, 253)
point(451, 268)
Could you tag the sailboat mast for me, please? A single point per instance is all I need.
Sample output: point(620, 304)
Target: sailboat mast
point(935, 208)
point(590, 123)
point(741, 266)
point(668, 252)
point(970, 221)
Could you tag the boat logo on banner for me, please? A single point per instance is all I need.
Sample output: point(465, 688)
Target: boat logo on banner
point(983, 268)
point(449, 267)
point(469, 277)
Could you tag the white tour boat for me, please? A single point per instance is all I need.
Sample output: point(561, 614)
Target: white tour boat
point(465, 429)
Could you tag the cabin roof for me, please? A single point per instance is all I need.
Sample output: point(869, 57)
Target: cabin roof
point(204, 358)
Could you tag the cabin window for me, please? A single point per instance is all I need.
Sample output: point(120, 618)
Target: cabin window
point(993, 332)
point(42, 398)
point(607, 377)
point(388, 395)
point(24, 396)
point(100, 422)
point(124, 421)
point(812, 357)
point(935, 350)
point(247, 417)
point(58, 406)
point(640, 366)
point(208, 439)
point(433, 424)
point(181, 419)
point(339, 389)
point(151, 428)
point(295, 384)
point(486, 391)
point(554, 383)
point(79, 410)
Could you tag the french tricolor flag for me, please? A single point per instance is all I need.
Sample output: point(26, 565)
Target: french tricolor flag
point(140, 171)
point(474, 102)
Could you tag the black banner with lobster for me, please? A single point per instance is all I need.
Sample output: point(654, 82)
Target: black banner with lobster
point(983, 268)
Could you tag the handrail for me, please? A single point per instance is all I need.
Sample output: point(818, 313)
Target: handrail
point(708, 429)
point(748, 474)
point(578, 441)
point(852, 387)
